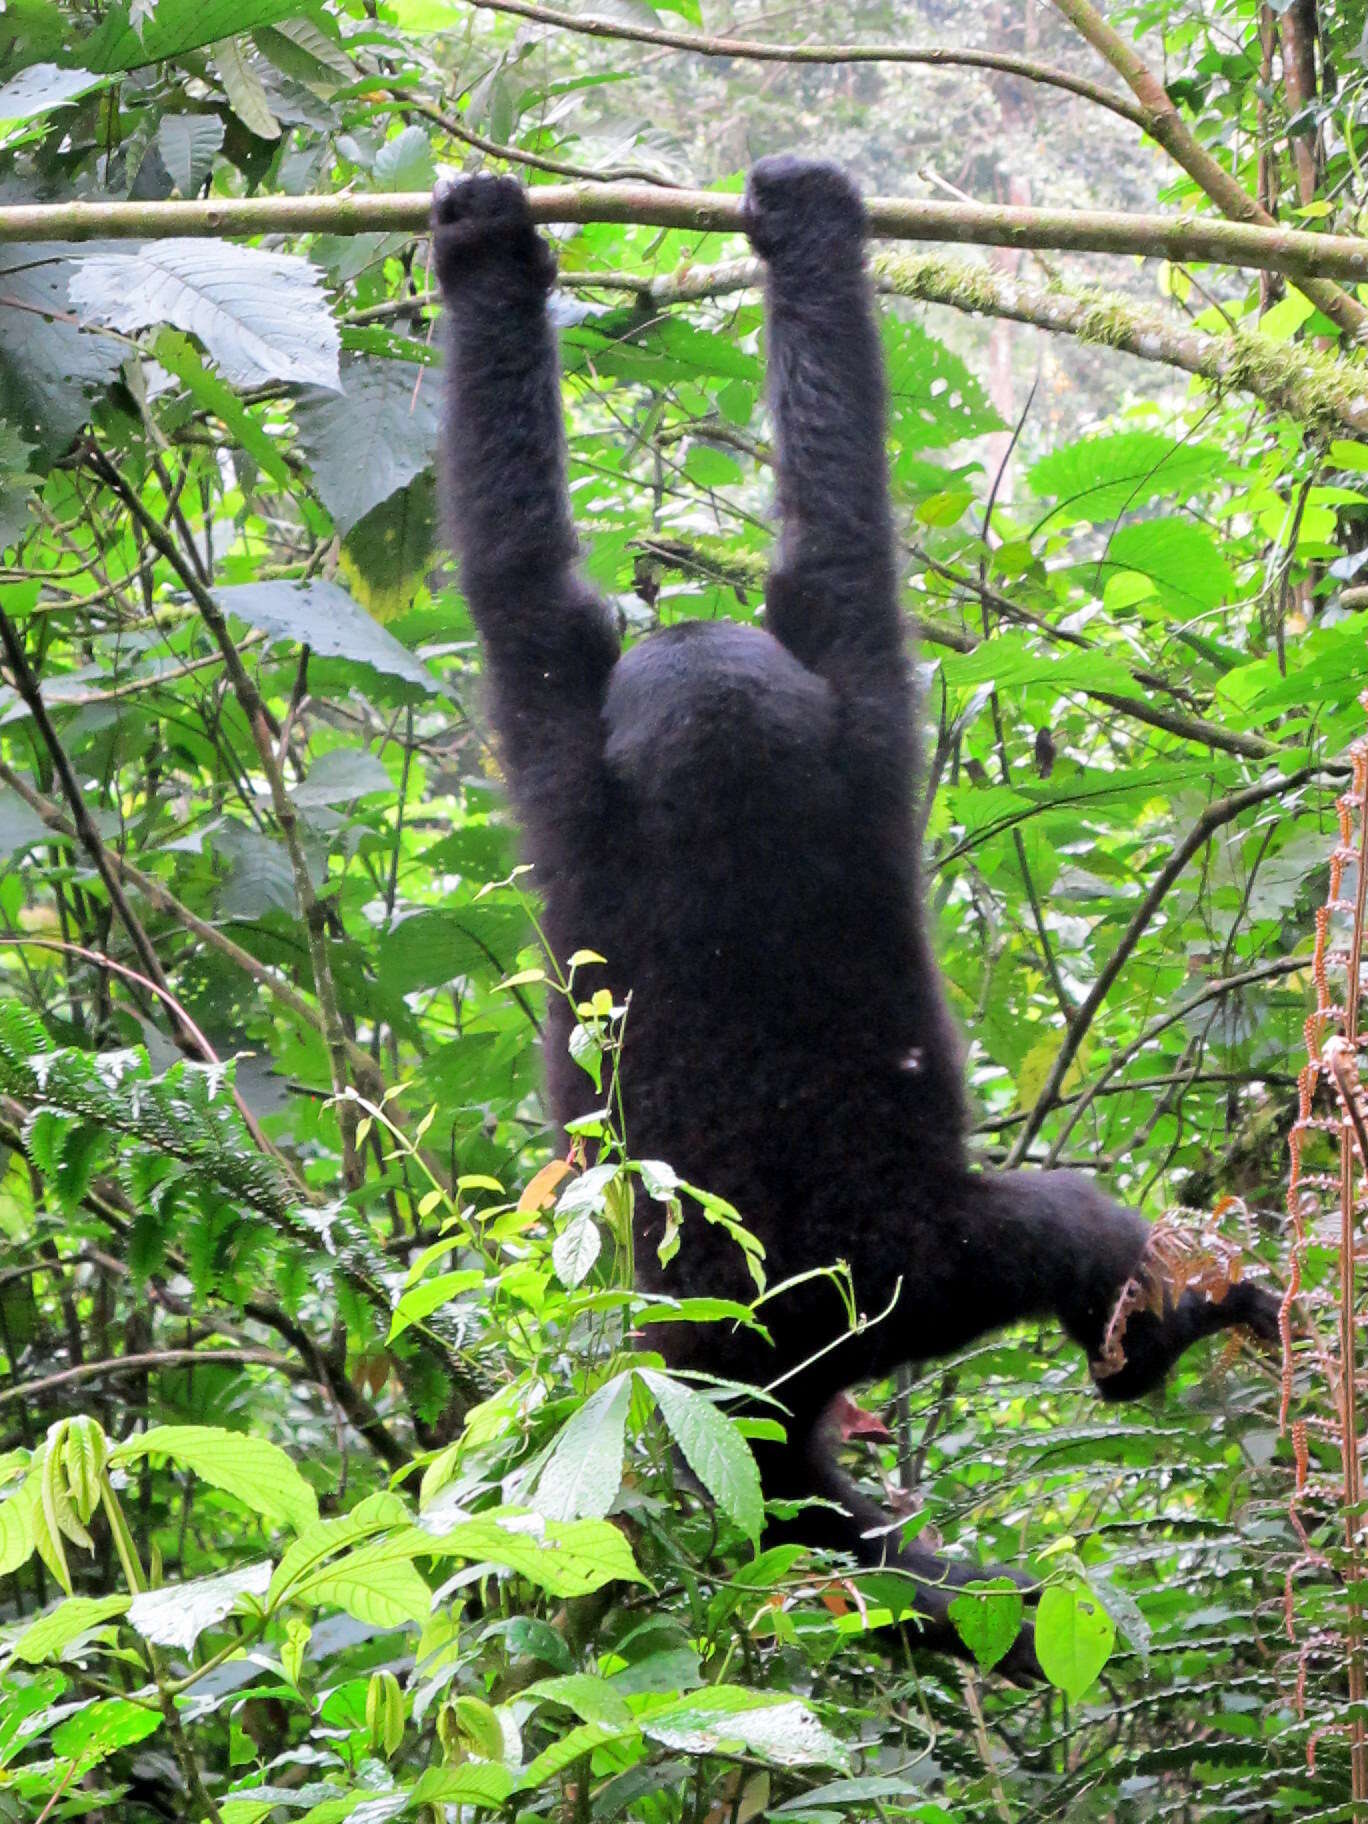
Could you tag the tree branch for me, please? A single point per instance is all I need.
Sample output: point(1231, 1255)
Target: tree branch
point(1223, 811)
point(1226, 984)
point(153, 1359)
point(751, 50)
point(1165, 125)
point(1173, 237)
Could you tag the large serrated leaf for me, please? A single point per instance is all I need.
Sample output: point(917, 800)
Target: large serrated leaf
point(262, 316)
point(933, 398)
point(386, 408)
point(1181, 559)
point(323, 617)
point(584, 1471)
point(254, 1470)
point(713, 1448)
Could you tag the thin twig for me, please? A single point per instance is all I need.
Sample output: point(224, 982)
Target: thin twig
point(699, 44)
point(1223, 811)
point(144, 1360)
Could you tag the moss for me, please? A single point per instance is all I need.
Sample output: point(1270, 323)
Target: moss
point(1320, 390)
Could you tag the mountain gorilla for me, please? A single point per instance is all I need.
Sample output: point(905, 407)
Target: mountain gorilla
point(727, 815)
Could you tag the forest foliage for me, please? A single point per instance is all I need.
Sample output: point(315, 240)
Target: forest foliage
point(338, 1479)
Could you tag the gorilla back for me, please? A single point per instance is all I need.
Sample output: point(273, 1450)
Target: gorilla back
point(728, 816)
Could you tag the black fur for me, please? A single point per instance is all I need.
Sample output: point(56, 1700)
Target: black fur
point(727, 815)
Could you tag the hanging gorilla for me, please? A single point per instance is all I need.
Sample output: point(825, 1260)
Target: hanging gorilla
point(727, 815)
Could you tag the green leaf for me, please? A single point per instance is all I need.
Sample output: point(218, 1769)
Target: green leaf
point(16, 1530)
point(101, 1728)
point(177, 1615)
point(377, 1583)
point(322, 616)
point(713, 1449)
point(187, 143)
point(179, 356)
point(1181, 558)
point(341, 775)
point(323, 1539)
point(486, 1783)
point(49, 369)
point(255, 1471)
point(571, 1747)
point(262, 316)
point(575, 1250)
point(777, 1728)
point(241, 84)
point(593, 1700)
point(405, 162)
point(583, 1474)
point(387, 408)
point(51, 1634)
point(1010, 660)
point(987, 1618)
point(1099, 478)
point(422, 1300)
point(564, 1558)
point(1073, 1635)
point(171, 27)
point(934, 399)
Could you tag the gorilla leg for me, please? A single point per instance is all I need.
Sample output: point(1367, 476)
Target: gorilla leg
point(804, 1469)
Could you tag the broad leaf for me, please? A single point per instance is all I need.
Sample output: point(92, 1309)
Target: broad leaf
point(49, 369)
point(323, 617)
point(583, 1474)
point(987, 1618)
point(255, 1471)
point(43, 87)
point(187, 143)
point(713, 1449)
point(385, 408)
point(1097, 479)
point(170, 27)
point(177, 1615)
point(1074, 1636)
point(568, 1558)
point(51, 1634)
point(262, 316)
point(766, 1723)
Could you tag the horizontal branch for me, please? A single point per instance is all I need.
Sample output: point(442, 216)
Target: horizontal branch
point(752, 50)
point(1174, 237)
point(148, 1361)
